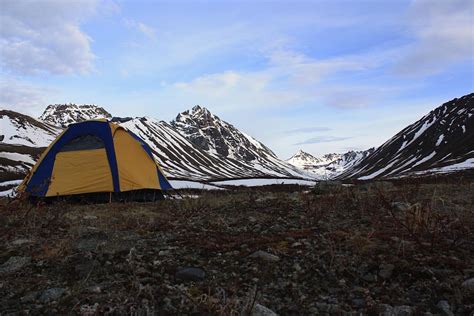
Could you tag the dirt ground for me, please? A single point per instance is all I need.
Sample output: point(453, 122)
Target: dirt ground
point(378, 248)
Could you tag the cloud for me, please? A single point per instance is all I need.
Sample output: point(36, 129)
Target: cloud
point(21, 96)
point(323, 139)
point(45, 37)
point(141, 27)
point(443, 34)
point(307, 130)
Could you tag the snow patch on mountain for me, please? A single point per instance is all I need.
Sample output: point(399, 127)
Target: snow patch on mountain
point(64, 114)
point(22, 129)
point(438, 141)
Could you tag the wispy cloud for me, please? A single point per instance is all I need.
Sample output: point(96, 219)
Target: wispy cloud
point(443, 34)
point(148, 31)
point(307, 130)
point(45, 37)
point(323, 139)
point(21, 96)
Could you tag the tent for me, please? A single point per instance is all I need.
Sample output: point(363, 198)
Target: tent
point(95, 156)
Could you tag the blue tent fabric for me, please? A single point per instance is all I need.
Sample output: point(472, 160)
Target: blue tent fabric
point(38, 184)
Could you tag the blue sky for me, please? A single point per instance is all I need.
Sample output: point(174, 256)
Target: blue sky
point(324, 76)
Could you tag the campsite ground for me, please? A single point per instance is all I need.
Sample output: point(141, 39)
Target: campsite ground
point(375, 248)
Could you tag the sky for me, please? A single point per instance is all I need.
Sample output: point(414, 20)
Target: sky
point(322, 76)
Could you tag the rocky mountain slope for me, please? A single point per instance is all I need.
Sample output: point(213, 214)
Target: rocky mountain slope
point(224, 141)
point(441, 141)
point(178, 155)
point(22, 139)
point(64, 114)
point(182, 159)
point(21, 129)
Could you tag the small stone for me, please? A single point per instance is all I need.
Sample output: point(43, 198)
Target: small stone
point(163, 253)
point(90, 217)
point(252, 219)
point(386, 270)
point(29, 298)
point(469, 284)
point(141, 271)
point(190, 274)
point(14, 264)
point(401, 206)
point(260, 310)
point(94, 289)
point(369, 277)
point(444, 308)
point(402, 310)
point(20, 242)
point(359, 302)
point(385, 310)
point(297, 267)
point(265, 256)
point(51, 294)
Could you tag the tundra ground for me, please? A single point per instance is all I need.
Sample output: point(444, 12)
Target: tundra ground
point(377, 248)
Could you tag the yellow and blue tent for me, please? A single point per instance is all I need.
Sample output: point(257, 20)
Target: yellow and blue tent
point(94, 157)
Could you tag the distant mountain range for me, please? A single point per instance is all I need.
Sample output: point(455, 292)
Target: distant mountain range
point(330, 165)
point(221, 152)
point(198, 145)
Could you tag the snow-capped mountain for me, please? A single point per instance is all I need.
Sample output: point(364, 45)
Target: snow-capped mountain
point(22, 139)
point(441, 141)
point(347, 160)
point(216, 136)
point(179, 157)
point(304, 160)
point(224, 141)
point(20, 129)
point(64, 114)
point(329, 165)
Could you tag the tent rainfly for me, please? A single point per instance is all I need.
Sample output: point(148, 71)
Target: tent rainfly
point(95, 156)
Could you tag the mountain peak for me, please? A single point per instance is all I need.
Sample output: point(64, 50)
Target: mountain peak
point(64, 114)
point(217, 137)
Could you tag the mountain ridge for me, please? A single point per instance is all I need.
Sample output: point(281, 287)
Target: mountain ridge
point(443, 137)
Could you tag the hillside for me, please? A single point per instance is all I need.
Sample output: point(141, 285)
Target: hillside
point(441, 141)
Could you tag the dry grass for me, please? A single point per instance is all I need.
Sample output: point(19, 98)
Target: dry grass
point(333, 238)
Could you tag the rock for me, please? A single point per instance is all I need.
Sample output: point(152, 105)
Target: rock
point(369, 277)
point(469, 284)
point(190, 274)
point(328, 308)
point(91, 241)
point(51, 294)
point(20, 242)
point(265, 256)
point(14, 264)
point(401, 206)
point(90, 217)
point(94, 289)
point(386, 270)
point(385, 310)
point(444, 308)
point(402, 310)
point(260, 310)
point(29, 298)
point(163, 253)
point(359, 302)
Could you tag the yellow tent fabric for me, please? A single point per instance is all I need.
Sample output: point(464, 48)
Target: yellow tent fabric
point(77, 172)
point(136, 169)
point(91, 157)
